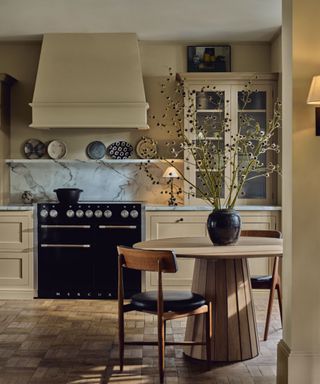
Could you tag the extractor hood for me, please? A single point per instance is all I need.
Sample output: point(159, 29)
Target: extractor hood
point(89, 80)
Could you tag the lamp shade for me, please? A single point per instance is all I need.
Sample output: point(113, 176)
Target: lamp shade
point(314, 92)
point(170, 173)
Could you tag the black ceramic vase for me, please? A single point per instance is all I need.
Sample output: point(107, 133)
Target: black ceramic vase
point(224, 226)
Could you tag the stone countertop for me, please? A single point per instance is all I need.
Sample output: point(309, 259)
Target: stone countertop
point(17, 207)
point(154, 207)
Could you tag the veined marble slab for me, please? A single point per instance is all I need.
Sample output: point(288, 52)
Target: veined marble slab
point(16, 207)
point(100, 181)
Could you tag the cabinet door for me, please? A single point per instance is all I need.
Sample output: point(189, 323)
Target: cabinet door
point(248, 111)
point(176, 226)
point(16, 255)
point(205, 114)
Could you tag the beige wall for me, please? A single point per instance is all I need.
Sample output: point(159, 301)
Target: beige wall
point(299, 352)
point(21, 59)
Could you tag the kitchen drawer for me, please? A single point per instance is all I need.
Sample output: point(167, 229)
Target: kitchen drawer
point(14, 231)
point(14, 269)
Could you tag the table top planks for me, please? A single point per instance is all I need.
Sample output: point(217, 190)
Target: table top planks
point(202, 247)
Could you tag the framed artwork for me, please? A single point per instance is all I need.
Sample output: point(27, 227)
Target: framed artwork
point(213, 58)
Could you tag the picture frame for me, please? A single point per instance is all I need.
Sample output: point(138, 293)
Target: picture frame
point(209, 58)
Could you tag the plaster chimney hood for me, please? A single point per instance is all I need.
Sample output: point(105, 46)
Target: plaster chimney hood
point(89, 80)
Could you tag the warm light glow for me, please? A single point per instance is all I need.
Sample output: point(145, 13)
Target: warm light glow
point(314, 92)
point(171, 173)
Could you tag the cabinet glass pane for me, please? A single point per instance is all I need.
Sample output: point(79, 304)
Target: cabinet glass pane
point(247, 123)
point(210, 100)
point(209, 124)
point(256, 100)
point(255, 188)
point(200, 183)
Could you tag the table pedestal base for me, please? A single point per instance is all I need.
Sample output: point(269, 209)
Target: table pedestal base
point(234, 335)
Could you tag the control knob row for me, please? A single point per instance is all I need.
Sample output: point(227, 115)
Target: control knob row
point(45, 213)
point(89, 213)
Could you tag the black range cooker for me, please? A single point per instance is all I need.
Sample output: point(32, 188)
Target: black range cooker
point(77, 255)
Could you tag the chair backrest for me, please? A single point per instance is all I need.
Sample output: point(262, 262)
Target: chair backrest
point(145, 260)
point(261, 233)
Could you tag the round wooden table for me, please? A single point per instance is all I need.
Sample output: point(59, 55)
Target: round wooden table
point(221, 275)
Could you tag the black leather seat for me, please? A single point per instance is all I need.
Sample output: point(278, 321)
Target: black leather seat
point(261, 282)
point(173, 301)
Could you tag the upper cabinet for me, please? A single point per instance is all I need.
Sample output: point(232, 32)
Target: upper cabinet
point(218, 97)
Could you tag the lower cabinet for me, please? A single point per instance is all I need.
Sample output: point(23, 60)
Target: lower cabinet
point(164, 224)
point(16, 255)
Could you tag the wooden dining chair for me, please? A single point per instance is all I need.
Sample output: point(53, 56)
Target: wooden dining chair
point(271, 282)
point(167, 305)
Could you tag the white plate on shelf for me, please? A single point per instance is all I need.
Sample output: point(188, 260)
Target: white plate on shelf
point(147, 148)
point(56, 149)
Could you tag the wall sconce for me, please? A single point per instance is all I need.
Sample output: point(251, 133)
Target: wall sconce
point(171, 173)
point(314, 99)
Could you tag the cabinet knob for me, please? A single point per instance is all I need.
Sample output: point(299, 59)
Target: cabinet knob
point(181, 219)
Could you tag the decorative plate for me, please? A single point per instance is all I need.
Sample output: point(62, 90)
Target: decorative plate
point(120, 150)
point(96, 150)
point(147, 148)
point(56, 149)
point(34, 149)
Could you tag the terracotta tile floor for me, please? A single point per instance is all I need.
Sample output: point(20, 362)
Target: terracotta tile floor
point(69, 341)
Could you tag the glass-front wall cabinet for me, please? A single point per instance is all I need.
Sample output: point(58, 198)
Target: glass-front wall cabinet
point(217, 109)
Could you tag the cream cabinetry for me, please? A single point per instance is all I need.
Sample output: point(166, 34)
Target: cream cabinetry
point(164, 224)
point(211, 100)
point(16, 255)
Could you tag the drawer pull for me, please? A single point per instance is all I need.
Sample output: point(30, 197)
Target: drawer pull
point(117, 227)
point(66, 226)
point(65, 245)
point(179, 220)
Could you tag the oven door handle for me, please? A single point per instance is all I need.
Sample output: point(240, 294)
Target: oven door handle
point(65, 245)
point(66, 226)
point(117, 227)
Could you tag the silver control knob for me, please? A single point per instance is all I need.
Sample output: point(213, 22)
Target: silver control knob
point(98, 213)
point(79, 213)
point(44, 213)
point(107, 213)
point(70, 213)
point(124, 213)
point(89, 213)
point(53, 213)
point(134, 213)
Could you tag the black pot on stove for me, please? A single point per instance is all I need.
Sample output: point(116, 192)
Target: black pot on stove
point(68, 195)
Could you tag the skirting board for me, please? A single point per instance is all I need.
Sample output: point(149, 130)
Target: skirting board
point(297, 367)
point(7, 294)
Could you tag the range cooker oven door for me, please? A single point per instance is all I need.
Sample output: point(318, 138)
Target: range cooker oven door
point(65, 264)
point(106, 259)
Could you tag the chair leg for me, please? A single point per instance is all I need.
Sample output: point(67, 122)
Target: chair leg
point(208, 332)
point(161, 345)
point(279, 300)
point(121, 340)
point(271, 297)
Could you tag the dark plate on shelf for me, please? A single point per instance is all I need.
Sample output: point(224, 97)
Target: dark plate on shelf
point(96, 150)
point(120, 150)
point(34, 149)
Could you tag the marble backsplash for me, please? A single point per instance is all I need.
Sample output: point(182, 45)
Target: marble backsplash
point(100, 180)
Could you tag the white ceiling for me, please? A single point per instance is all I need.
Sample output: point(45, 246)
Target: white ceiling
point(169, 20)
